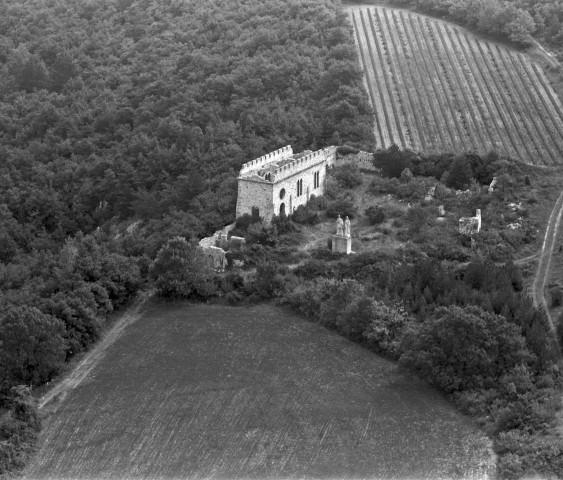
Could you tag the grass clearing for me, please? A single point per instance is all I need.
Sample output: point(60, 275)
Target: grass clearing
point(216, 391)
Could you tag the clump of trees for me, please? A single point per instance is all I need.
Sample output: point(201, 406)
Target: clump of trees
point(515, 20)
point(456, 171)
point(19, 427)
point(473, 334)
point(180, 271)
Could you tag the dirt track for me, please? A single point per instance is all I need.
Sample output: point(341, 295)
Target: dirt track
point(542, 273)
point(81, 371)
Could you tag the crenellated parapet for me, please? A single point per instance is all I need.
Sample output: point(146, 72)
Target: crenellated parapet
point(274, 156)
point(305, 162)
point(280, 182)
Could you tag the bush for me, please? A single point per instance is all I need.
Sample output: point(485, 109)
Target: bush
point(418, 218)
point(242, 223)
point(346, 150)
point(384, 185)
point(343, 207)
point(234, 297)
point(393, 161)
point(18, 430)
point(375, 214)
point(385, 328)
point(348, 176)
point(266, 235)
point(269, 281)
point(460, 174)
point(556, 295)
point(308, 296)
point(305, 215)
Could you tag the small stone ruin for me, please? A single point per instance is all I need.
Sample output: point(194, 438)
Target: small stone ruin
point(214, 247)
point(470, 225)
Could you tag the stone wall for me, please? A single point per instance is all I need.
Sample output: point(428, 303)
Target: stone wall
point(362, 159)
point(254, 193)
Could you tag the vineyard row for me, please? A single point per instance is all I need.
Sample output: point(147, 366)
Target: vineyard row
point(435, 88)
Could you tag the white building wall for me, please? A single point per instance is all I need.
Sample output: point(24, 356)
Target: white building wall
point(291, 199)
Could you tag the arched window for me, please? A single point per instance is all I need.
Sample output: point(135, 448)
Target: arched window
point(282, 193)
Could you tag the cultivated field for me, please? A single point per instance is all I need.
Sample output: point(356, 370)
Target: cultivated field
point(434, 88)
point(224, 392)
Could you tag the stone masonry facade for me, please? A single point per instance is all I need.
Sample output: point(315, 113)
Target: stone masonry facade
point(281, 181)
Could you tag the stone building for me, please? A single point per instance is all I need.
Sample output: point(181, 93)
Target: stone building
point(470, 225)
point(277, 183)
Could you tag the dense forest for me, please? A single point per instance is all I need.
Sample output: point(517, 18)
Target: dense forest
point(514, 20)
point(125, 112)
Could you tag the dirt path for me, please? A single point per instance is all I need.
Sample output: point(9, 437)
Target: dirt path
point(542, 273)
point(81, 371)
point(529, 258)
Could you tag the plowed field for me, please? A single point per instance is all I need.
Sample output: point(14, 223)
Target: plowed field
point(436, 88)
point(224, 392)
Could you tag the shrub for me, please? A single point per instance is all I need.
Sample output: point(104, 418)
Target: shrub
point(375, 214)
point(556, 295)
point(346, 150)
point(393, 161)
point(308, 296)
point(284, 225)
point(18, 430)
point(460, 174)
point(305, 215)
point(234, 297)
point(348, 176)
point(343, 207)
point(385, 328)
point(384, 185)
point(269, 280)
point(261, 234)
point(417, 218)
point(243, 222)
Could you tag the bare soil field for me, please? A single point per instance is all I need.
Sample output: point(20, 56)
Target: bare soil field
point(254, 392)
point(435, 87)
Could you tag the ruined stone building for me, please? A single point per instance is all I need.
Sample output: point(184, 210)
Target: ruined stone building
point(277, 183)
